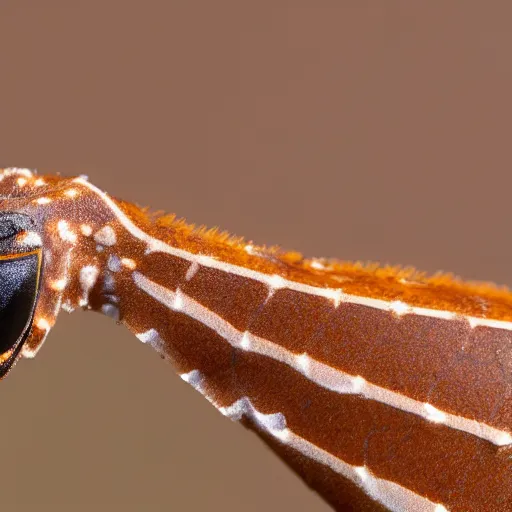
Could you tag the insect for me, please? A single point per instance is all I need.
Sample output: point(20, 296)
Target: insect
point(382, 388)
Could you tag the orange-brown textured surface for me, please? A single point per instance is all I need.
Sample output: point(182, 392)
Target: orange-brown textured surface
point(459, 369)
point(360, 130)
point(447, 364)
point(453, 367)
point(347, 497)
point(439, 291)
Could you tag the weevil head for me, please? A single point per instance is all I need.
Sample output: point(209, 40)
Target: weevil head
point(34, 260)
point(55, 239)
point(20, 270)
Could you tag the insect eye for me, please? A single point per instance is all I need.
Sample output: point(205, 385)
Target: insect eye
point(19, 285)
point(19, 279)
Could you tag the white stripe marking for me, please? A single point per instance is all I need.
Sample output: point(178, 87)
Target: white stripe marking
point(335, 294)
point(390, 494)
point(319, 373)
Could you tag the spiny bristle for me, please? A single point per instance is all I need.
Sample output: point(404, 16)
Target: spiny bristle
point(183, 232)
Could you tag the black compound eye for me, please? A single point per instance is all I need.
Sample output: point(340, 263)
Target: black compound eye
point(19, 284)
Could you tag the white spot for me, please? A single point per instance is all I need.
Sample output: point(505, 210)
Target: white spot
point(66, 306)
point(434, 414)
point(178, 301)
point(43, 200)
point(245, 342)
point(106, 236)
point(249, 249)
point(362, 472)
point(128, 263)
point(71, 192)
point(504, 439)
point(193, 378)
point(151, 337)
point(148, 336)
point(303, 361)
point(440, 508)
point(39, 182)
point(88, 276)
point(318, 265)
point(399, 308)
point(110, 310)
point(192, 270)
point(276, 282)
point(99, 248)
point(21, 182)
point(336, 295)
point(27, 352)
point(86, 230)
point(59, 284)
point(358, 383)
point(43, 324)
point(65, 232)
point(30, 238)
point(114, 263)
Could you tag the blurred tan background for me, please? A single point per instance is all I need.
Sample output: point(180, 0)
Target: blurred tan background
point(363, 130)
